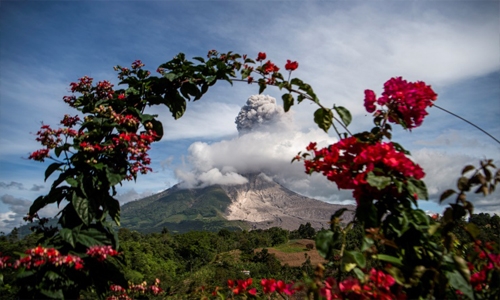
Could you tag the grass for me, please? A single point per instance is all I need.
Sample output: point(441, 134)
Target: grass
point(291, 247)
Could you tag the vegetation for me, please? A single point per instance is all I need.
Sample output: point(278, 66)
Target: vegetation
point(180, 210)
point(391, 250)
point(184, 263)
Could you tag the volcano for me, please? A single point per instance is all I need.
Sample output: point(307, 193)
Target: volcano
point(260, 203)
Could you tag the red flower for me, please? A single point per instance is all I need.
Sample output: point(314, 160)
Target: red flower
point(348, 162)
point(39, 155)
point(406, 102)
point(261, 56)
point(370, 101)
point(291, 65)
point(269, 67)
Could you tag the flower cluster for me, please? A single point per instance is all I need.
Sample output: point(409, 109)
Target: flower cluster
point(240, 286)
point(70, 121)
point(39, 155)
point(378, 286)
point(269, 67)
point(84, 85)
point(261, 56)
point(268, 70)
point(137, 64)
point(485, 262)
point(40, 256)
point(120, 293)
point(406, 102)
point(104, 90)
point(271, 285)
point(4, 261)
point(291, 65)
point(349, 161)
point(51, 138)
point(101, 252)
point(136, 145)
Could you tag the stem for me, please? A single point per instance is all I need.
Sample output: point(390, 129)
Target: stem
point(455, 115)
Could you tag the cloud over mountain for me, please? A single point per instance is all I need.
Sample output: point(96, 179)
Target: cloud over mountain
point(267, 143)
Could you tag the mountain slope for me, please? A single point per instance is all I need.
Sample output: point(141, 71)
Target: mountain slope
point(180, 210)
point(264, 204)
point(260, 203)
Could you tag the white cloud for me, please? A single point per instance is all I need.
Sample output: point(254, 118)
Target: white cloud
point(131, 195)
point(443, 169)
point(342, 48)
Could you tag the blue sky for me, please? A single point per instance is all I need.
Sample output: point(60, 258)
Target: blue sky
point(343, 48)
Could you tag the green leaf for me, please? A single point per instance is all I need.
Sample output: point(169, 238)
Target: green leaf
point(380, 182)
point(467, 169)
point(324, 243)
point(38, 204)
point(68, 236)
point(87, 240)
point(170, 76)
point(344, 113)
point(418, 187)
point(262, 86)
point(297, 82)
point(287, 101)
point(72, 182)
point(51, 275)
point(200, 59)
point(457, 281)
point(211, 79)
point(367, 243)
point(349, 266)
point(359, 274)
point(158, 128)
point(420, 216)
point(338, 213)
point(433, 228)
point(462, 266)
point(446, 194)
point(113, 178)
point(51, 169)
point(463, 184)
point(473, 229)
point(324, 118)
point(177, 105)
point(400, 148)
point(354, 257)
point(82, 208)
point(114, 209)
point(53, 294)
point(388, 258)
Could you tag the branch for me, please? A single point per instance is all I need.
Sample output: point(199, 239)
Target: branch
point(455, 115)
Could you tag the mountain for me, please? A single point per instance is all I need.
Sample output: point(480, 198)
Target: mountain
point(260, 203)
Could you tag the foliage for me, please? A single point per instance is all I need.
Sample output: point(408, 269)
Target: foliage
point(413, 255)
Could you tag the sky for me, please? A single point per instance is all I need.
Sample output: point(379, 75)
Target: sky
point(342, 47)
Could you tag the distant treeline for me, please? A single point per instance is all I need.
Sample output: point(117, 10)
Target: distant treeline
point(186, 262)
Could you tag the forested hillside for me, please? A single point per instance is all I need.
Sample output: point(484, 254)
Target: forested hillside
point(188, 263)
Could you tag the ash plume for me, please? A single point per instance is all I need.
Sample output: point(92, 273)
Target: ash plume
point(260, 113)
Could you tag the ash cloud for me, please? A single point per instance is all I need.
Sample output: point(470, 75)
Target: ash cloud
point(262, 148)
point(261, 112)
point(267, 143)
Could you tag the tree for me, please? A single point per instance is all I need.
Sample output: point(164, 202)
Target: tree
point(306, 231)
